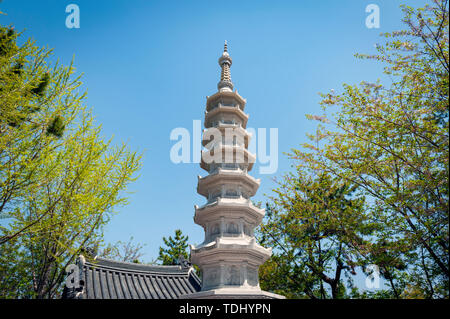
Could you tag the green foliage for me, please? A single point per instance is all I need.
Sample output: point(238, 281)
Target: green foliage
point(60, 180)
point(392, 142)
point(15, 278)
point(175, 248)
point(42, 85)
point(56, 126)
point(7, 41)
point(316, 225)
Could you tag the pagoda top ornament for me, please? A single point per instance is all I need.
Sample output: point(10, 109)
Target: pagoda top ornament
point(225, 62)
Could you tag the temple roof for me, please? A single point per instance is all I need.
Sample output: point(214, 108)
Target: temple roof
point(108, 279)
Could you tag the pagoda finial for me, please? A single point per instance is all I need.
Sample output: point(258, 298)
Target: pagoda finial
point(225, 62)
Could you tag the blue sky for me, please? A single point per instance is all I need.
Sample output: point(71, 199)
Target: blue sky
point(148, 66)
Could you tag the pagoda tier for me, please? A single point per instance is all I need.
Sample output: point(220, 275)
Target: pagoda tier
point(230, 262)
point(231, 113)
point(222, 155)
point(225, 97)
point(241, 217)
point(212, 185)
point(229, 256)
point(233, 129)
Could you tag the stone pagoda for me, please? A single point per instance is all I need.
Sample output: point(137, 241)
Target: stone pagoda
point(229, 257)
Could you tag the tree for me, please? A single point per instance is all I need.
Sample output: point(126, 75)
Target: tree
point(317, 225)
point(176, 248)
point(124, 251)
point(392, 141)
point(60, 181)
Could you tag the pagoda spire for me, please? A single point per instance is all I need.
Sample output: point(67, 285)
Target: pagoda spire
point(225, 62)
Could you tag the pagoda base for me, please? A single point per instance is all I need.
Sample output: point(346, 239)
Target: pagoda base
point(232, 293)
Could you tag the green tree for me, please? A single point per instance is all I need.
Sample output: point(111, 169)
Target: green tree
point(392, 141)
point(175, 248)
point(60, 180)
point(317, 225)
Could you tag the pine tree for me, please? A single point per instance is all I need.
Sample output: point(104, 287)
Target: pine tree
point(175, 249)
point(56, 126)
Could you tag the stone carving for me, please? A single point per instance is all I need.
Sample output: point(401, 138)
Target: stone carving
point(215, 229)
point(211, 277)
point(246, 230)
point(252, 277)
point(232, 228)
point(232, 276)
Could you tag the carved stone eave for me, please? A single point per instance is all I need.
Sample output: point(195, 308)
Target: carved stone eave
point(233, 293)
point(248, 157)
point(238, 130)
point(231, 250)
point(230, 207)
point(233, 94)
point(224, 110)
point(220, 176)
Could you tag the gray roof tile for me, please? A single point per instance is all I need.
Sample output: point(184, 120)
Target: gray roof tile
point(108, 279)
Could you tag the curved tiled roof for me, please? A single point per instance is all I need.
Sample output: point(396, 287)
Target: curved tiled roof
point(108, 279)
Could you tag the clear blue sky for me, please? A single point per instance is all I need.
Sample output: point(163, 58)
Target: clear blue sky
point(148, 66)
